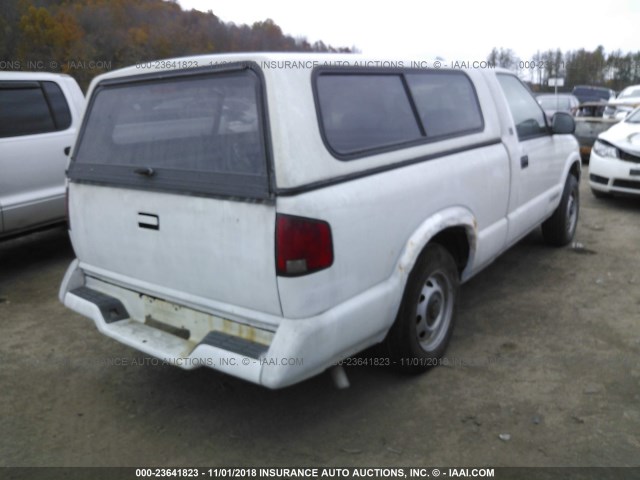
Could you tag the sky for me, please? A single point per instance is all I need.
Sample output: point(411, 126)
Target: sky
point(452, 29)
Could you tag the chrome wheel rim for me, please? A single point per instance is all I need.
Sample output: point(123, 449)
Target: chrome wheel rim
point(433, 311)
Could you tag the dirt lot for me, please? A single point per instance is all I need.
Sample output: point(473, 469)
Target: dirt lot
point(546, 350)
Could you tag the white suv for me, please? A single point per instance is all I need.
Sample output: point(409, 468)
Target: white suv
point(39, 118)
point(269, 215)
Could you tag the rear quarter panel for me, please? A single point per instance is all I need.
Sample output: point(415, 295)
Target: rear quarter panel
point(374, 221)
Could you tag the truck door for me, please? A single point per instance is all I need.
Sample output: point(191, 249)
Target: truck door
point(537, 160)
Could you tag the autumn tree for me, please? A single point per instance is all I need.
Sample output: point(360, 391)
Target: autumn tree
point(87, 37)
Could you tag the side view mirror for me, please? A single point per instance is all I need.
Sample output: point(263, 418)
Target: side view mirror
point(563, 123)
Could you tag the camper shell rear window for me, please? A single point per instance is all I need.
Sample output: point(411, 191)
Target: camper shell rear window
point(194, 131)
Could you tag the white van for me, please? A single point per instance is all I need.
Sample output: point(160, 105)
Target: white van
point(269, 215)
point(39, 118)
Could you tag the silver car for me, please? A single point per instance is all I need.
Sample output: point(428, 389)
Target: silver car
point(39, 119)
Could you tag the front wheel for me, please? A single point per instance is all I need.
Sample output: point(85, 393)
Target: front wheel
point(560, 228)
point(425, 320)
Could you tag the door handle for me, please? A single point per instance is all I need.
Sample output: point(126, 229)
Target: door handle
point(524, 161)
point(148, 221)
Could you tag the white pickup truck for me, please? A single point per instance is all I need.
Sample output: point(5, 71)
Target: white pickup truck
point(269, 215)
point(39, 118)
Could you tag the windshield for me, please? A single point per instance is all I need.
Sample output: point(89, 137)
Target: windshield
point(630, 92)
point(634, 117)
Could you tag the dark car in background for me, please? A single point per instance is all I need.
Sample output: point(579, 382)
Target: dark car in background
point(590, 93)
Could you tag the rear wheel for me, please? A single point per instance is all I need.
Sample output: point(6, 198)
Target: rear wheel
point(560, 228)
point(424, 324)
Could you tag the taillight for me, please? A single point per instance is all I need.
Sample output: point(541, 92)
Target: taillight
point(303, 245)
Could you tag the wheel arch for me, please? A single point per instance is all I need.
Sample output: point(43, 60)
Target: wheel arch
point(575, 169)
point(572, 166)
point(455, 229)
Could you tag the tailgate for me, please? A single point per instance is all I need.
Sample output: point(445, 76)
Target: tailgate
point(212, 248)
point(169, 186)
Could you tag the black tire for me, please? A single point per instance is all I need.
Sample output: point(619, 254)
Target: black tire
point(423, 327)
point(560, 228)
point(599, 194)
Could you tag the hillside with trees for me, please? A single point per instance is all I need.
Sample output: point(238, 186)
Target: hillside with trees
point(87, 37)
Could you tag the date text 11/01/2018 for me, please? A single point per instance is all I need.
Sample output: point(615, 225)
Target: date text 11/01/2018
point(313, 472)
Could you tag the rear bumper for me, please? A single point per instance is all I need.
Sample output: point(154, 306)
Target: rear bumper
point(297, 349)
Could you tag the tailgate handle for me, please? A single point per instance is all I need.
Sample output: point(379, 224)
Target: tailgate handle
point(524, 161)
point(149, 221)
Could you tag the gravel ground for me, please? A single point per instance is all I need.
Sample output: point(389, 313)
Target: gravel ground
point(543, 370)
